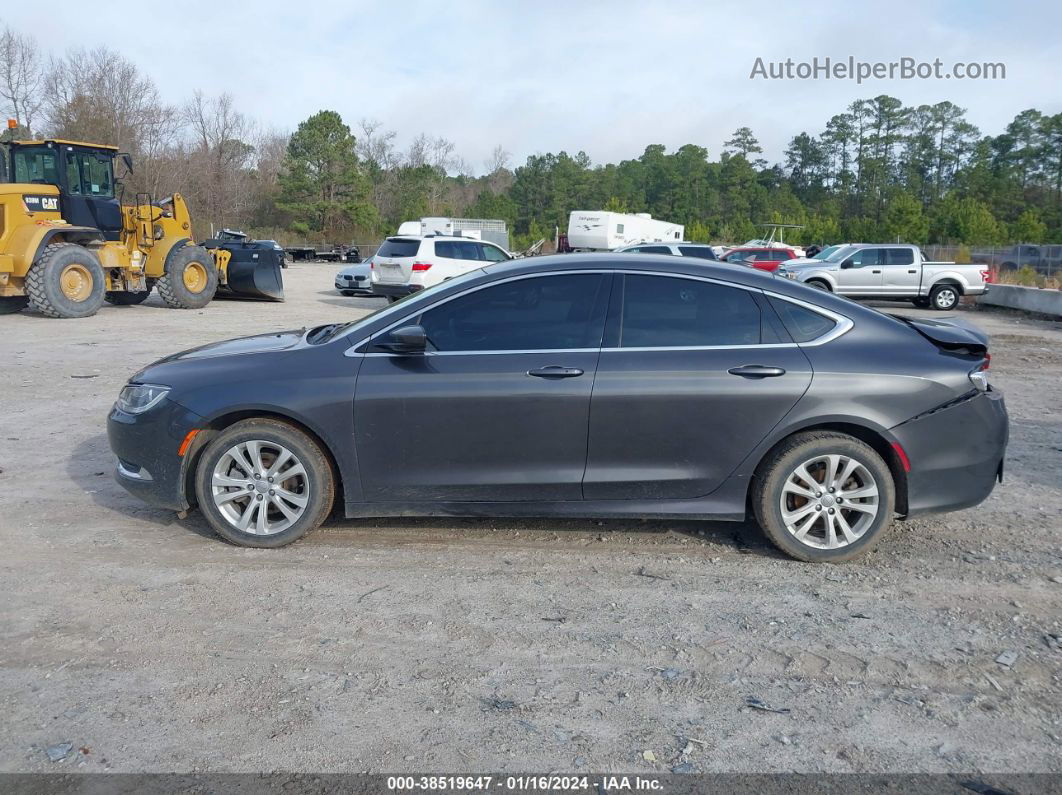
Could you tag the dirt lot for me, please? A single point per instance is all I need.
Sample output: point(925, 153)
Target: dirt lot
point(443, 645)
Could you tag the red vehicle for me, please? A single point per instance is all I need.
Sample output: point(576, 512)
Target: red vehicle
point(763, 258)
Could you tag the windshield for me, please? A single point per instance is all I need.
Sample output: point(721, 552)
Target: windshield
point(841, 253)
point(825, 253)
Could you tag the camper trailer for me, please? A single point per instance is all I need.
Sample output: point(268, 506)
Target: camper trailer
point(590, 230)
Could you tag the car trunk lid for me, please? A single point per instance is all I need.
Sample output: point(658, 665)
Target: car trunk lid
point(949, 335)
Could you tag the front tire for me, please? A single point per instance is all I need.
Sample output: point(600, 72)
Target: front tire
point(824, 497)
point(190, 280)
point(944, 297)
point(264, 483)
point(819, 285)
point(66, 281)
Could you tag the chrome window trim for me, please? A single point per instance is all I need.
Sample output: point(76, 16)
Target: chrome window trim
point(843, 323)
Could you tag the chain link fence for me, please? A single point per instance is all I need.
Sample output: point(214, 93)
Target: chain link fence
point(1044, 259)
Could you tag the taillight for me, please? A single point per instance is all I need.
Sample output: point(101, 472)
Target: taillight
point(421, 266)
point(986, 277)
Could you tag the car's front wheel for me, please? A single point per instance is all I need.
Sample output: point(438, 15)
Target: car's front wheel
point(823, 497)
point(264, 483)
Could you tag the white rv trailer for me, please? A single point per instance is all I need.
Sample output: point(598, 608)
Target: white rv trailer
point(591, 230)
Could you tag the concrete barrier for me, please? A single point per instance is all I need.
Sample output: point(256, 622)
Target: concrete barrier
point(1030, 299)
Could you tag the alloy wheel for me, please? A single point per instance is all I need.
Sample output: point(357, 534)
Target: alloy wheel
point(829, 501)
point(260, 487)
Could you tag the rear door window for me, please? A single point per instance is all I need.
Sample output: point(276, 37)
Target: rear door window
point(803, 324)
point(899, 256)
point(670, 312)
point(459, 249)
point(701, 252)
point(399, 247)
point(653, 250)
point(536, 314)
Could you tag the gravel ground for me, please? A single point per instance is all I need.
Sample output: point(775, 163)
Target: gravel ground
point(447, 645)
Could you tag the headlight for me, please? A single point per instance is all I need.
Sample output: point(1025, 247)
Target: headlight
point(138, 398)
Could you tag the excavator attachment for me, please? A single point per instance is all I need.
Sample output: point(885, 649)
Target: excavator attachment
point(252, 268)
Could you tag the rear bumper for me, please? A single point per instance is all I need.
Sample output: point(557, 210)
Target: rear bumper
point(956, 453)
point(146, 446)
point(395, 290)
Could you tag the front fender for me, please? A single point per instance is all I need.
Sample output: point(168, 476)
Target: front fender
point(825, 276)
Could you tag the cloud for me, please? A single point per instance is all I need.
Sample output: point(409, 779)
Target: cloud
point(607, 78)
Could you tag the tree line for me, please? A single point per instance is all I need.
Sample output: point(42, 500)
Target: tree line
point(878, 170)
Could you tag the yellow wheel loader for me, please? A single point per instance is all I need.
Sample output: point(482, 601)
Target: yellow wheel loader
point(68, 242)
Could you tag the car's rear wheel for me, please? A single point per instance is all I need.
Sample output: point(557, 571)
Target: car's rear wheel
point(944, 297)
point(824, 497)
point(264, 483)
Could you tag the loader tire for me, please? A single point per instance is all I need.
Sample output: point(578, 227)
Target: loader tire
point(190, 280)
point(14, 303)
point(126, 298)
point(65, 281)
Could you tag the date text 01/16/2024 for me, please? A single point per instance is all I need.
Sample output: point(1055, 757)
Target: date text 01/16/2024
point(523, 783)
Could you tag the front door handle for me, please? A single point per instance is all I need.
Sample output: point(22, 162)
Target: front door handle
point(756, 371)
point(912, 271)
point(555, 371)
point(875, 271)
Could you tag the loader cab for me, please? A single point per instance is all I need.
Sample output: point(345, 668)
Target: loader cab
point(84, 174)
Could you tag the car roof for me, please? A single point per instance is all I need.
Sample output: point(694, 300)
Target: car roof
point(437, 237)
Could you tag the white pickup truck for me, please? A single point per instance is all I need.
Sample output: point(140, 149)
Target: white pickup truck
point(872, 270)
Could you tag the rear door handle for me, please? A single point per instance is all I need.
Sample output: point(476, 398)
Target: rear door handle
point(555, 371)
point(756, 371)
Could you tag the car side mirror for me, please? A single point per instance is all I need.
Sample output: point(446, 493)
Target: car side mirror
point(127, 161)
point(408, 339)
point(846, 264)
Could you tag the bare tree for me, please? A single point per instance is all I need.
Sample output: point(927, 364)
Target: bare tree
point(499, 177)
point(220, 158)
point(21, 77)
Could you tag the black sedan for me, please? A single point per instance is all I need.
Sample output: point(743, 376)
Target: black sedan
point(578, 386)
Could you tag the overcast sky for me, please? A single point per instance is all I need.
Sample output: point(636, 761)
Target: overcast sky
point(604, 77)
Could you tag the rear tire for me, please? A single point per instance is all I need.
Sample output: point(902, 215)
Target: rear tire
point(127, 298)
point(298, 501)
point(66, 281)
point(190, 280)
point(944, 297)
point(13, 303)
point(784, 500)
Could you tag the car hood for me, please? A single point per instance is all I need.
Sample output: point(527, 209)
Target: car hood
point(217, 357)
point(357, 269)
point(807, 264)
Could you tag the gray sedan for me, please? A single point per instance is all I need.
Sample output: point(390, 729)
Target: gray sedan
point(355, 279)
point(578, 386)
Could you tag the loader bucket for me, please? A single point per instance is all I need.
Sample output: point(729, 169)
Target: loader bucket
point(256, 279)
point(253, 268)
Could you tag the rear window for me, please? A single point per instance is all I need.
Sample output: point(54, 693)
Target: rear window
point(803, 324)
point(703, 252)
point(399, 247)
point(458, 249)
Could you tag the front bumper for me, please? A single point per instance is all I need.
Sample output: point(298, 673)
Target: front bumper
point(395, 290)
point(362, 285)
point(147, 446)
point(956, 453)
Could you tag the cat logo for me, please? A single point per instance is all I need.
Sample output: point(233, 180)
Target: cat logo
point(37, 204)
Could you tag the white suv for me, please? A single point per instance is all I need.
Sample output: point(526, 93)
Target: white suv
point(410, 263)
